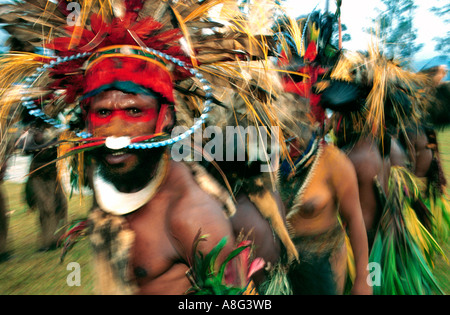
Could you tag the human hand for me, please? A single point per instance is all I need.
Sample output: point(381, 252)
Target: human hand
point(361, 287)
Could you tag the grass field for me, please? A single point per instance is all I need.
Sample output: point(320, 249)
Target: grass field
point(38, 273)
point(30, 272)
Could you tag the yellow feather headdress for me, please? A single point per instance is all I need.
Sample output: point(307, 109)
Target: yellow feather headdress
point(227, 53)
point(229, 79)
point(372, 94)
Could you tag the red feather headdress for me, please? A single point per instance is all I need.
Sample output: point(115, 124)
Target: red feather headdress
point(136, 46)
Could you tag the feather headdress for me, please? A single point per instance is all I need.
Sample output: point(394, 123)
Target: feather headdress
point(211, 66)
point(307, 54)
point(373, 95)
point(178, 40)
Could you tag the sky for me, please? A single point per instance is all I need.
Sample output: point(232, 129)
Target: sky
point(357, 14)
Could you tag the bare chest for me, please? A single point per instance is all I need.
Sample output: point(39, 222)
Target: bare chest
point(313, 200)
point(155, 263)
point(314, 208)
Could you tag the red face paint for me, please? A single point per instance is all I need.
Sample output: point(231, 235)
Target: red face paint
point(131, 115)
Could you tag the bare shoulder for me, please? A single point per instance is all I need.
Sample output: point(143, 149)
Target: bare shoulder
point(190, 202)
point(336, 158)
point(366, 160)
point(193, 211)
point(340, 169)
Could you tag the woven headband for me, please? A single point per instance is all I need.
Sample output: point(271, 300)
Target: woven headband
point(126, 51)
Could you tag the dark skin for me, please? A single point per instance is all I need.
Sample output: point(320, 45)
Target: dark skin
point(369, 164)
point(249, 220)
point(397, 156)
point(420, 155)
point(412, 152)
point(326, 196)
point(165, 227)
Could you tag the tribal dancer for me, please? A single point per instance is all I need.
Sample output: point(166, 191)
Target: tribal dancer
point(373, 100)
point(132, 69)
point(423, 151)
point(43, 190)
point(320, 189)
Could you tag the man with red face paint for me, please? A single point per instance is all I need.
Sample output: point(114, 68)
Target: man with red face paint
point(151, 215)
point(115, 113)
point(151, 206)
point(157, 200)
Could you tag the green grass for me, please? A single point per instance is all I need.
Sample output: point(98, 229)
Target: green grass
point(31, 272)
point(37, 273)
point(442, 269)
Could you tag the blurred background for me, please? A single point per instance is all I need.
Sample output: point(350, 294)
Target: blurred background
point(416, 32)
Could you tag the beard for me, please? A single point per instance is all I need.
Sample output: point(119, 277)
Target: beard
point(135, 177)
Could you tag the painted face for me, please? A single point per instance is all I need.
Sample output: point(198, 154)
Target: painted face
point(115, 113)
point(112, 111)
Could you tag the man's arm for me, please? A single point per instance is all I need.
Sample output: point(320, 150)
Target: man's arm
point(206, 221)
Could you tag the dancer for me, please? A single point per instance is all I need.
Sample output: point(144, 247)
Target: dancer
point(5, 154)
point(320, 187)
point(43, 189)
point(374, 99)
point(129, 73)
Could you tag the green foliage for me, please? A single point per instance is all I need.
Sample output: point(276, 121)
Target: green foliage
point(443, 41)
point(205, 278)
point(277, 283)
point(403, 247)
